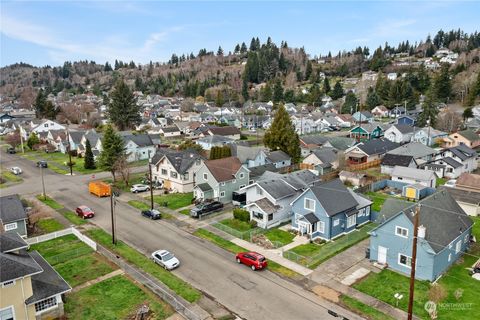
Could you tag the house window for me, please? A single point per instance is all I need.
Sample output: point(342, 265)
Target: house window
point(173, 174)
point(197, 162)
point(222, 194)
point(259, 191)
point(402, 232)
point(270, 217)
point(164, 172)
point(465, 240)
point(11, 226)
point(351, 221)
point(8, 283)
point(185, 176)
point(336, 222)
point(449, 257)
point(7, 314)
point(45, 304)
point(242, 186)
point(399, 178)
point(257, 215)
point(241, 176)
point(222, 183)
point(458, 246)
point(205, 176)
point(321, 226)
point(309, 204)
point(404, 260)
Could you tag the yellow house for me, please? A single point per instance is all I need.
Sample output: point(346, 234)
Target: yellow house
point(466, 137)
point(29, 287)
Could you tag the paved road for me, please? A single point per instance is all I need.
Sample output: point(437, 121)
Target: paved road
point(251, 295)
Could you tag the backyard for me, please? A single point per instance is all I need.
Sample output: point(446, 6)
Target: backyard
point(174, 201)
point(378, 199)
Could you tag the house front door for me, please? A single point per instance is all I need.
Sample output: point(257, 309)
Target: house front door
point(382, 255)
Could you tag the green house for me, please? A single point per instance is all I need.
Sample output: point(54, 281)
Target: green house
point(366, 131)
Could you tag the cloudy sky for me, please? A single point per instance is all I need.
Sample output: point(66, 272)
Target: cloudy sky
point(50, 32)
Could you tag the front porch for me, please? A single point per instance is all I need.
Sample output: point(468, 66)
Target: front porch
point(356, 158)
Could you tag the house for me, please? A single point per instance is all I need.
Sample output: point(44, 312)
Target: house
point(354, 178)
point(399, 133)
point(420, 152)
point(218, 179)
point(397, 112)
point(366, 131)
point(469, 201)
point(380, 111)
point(138, 146)
point(279, 158)
point(269, 198)
point(46, 126)
point(74, 139)
point(257, 172)
point(227, 131)
point(362, 117)
point(168, 132)
point(407, 119)
point(428, 136)
point(30, 288)
point(390, 161)
point(452, 162)
point(5, 117)
point(469, 182)
point(443, 235)
point(465, 137)
point(176, 169)
point(328, 210)
point(249, 156)
point(13, 218)
point(369, 151)
point(95, 140)
point(408, 175)
point(209, 142)
point(392, 76)
point(323, 160)
point(344, 120)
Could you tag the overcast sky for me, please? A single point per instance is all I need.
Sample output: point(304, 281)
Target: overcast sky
point(51, 32)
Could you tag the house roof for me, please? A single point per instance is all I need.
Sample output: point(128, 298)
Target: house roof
point(368, 127)
point(415, 149)
point(46, 284)
point(224, 169)
point(224, 131)
point(341, 143)
point(17, 265)
point(443, 219)
point(462, 151)
point(300, 179)
point(461, 195)
point(277, 156)
point(277, 188)
point(326, 154)
point(76, 136)
point(468, 180)
point(180, 160)
point(141, 140)
point(171, 129)
point(11, 209)
point(245, 153)
point(10, 241)
point(314, 139)
point(452, 162)
point(215, 139)
point(311, 218)
point(396, 160)
point(405, 128)
point(266, 205)
point(413, 173)
point(259, 170)
point(204, 187)
point(469, 134)
point(377, 146)
point(334, 197)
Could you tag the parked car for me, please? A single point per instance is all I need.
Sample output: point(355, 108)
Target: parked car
point(451, 183)
point(206, 208)
point(252, 259)
point(152, 214)
point(11, 150)
point(165, 259)
point(252, 129)
point(85, 212)
point(42, 164)
point(139, 188)
point(16, 170)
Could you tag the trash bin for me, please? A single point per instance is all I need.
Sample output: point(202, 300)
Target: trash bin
point(367, 253)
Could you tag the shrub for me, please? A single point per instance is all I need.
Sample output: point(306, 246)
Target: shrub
point(253, 223)
point(241, 214)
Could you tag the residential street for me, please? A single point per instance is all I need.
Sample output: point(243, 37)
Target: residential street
point(251, 295)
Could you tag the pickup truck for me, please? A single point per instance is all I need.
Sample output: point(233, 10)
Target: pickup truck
point(206, 208)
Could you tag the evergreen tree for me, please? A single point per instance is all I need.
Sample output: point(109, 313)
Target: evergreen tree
point(326, 85)
point(442, 84)
point(89, 162)
point(382, 87)
point(373, 99)
point(245, 89)
point(112, 149)
point(32, 140)
point(277, 91)
point(237, 49)
point(429, 111)
point(337, 92)
point(467, 114)
point(308, 70)
point(219, 100)
point(122, 109)
point(40, 104)
point(289, 96)
point(253, 45)
point(243, 48)
point(350, 103)
point(220, 51)
point(50, 111)
point(315, 96)
point(266, 92)
point(282, 136)
point(474, 92)
point(107, 67)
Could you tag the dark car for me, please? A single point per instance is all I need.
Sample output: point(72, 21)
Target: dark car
point(152, 214)
point(206, 208)
point(42, 164)
point(11, 150)
point(252, 259)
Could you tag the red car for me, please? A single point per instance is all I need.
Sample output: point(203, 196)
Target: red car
point(252, 259)
point(85, 212)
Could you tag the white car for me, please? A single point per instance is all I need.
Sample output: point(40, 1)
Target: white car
point(252, 129)
point(16, 170)
point(139, 188)
point(165, 259)
point(451, 183)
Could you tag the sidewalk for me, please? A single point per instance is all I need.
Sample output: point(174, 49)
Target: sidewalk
point(99, 279)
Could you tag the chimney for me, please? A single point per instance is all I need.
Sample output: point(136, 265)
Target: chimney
point(421, 232)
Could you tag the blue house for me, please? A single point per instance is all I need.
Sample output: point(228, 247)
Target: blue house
point(329, 210)
point(407, 119)
point(443, 235)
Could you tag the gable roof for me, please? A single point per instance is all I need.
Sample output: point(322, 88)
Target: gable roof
point(224, 131)
point(10, 241)
point(341, 143)
point(76, 136)
point(277, 188)
point(404, 128)
point(469, 134)
point(413, 173)
point(314, 139)
point(468, 180)
point(259, 170)
point(334, 197)
point(377, 146)
point(277, 156)
point(397, 160)
point(223, 169)
point(17, 265)
point(216, 139)
point(415, 149)
point(452, 162)
point(462, 151)
point(11, 209)
point(245, 153)
point(181, 160)
point(326, 154)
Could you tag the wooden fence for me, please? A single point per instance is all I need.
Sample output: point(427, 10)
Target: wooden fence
point(363, 166)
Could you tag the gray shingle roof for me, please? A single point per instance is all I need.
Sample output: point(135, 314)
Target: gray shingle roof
point(415, 149)
point(17, 265)
point(10, 241)
point(405, 128)
point(204, 187)
point(181, 160)
point(46, 284)
point(413, 173)
point(311, 217)
point(278, 189)
point(396, 160)
point(259, 170)
point(266, 205)
point(315, 139)
point(216, 139)
point(141, 140)
point(326, 154)
point(377, 146)
point(334, 197)
point(470, 135)
point(452, 162)
point(277, 156)
point(462, 151)
point(76, 136)
point(341, 143)
point(11, 209)
point(244, 153)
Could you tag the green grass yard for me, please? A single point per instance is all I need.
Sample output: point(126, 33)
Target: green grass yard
point(363, 309)
point(58, 161)
point(49, 202)
point(140, 205)
point(136, 258)
point(8, 176)
point(114, 298)
point(441, 181)
point(279, 236)
point(71, 216)
point(236, 224)
point(185, 212)
point(49, 225)
point(174, 200)
point(378, 200)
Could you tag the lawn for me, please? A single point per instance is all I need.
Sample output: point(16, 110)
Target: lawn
point(8, 176)
point(363, 309)
point(238, 225)
point(279, 236)
point(441, 181)
point(233, 248)
point(140, 205)
point(378, 200)
point(62, 249)
point(57, 162)
point(141, 261)
point(72, 217)
point(114, 298)
point(312, 254)
point(49, 225)
point(174, 201)
point(135, 178)
point(50, 202)
point(185, 212)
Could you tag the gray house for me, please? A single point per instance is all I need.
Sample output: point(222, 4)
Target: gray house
point(279, 158)
point(249, 156)
point(13, 217)
point(443, 235)
point(218, 179)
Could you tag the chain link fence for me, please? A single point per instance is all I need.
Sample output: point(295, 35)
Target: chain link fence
point(245, 235)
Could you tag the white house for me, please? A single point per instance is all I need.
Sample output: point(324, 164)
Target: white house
point(399, 133)
point(138, 147)
point(380, 111)
point(46, 126)
point(408, 175)
point(452, 162)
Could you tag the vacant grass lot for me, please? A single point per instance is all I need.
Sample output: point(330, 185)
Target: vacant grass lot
point(135, 178)
point(114, 298)
point(141, 261)
point(174, 200)
point(140, 205)
point(237, 225)
point(8, 176)
point(49, 225)
point(279, 236)
point(58, 161)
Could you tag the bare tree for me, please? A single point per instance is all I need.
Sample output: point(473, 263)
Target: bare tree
point(13, 139)
point(121, 166)
point(449, 121)
point(187, 105)
point(34, 216)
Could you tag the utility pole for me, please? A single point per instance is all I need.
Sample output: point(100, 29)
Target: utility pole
point(43, 183)
point(21, 139)
point(151, 179)
point(112, 209)
point(69, 152)
point(413, 263)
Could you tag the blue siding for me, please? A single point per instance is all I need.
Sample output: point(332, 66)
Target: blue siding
point(406, 120)
point(441, 263)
